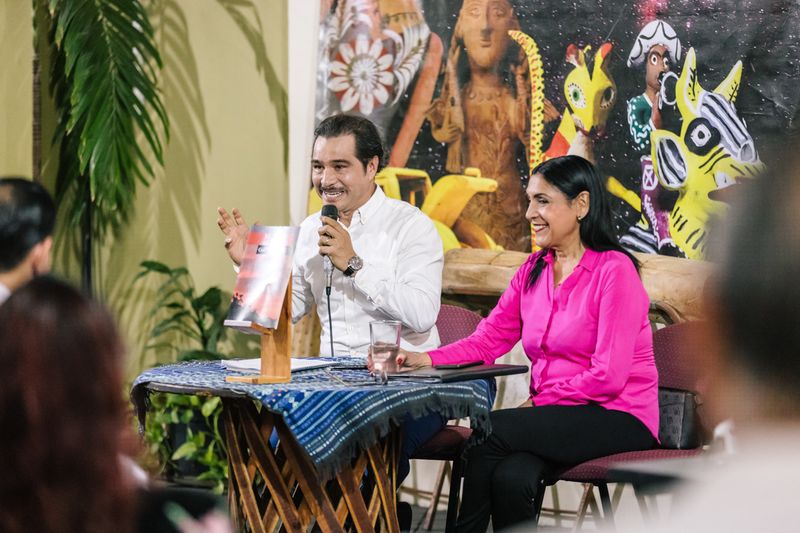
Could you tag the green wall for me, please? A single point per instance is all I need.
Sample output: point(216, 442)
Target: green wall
point(16, 79)
point(224, 86)
point(224, 79)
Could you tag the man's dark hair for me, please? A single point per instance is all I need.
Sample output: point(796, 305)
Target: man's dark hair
point(368, 140)
point(27, 216)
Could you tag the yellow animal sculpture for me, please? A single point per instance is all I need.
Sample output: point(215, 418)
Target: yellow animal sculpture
point(442, 202)
point(590, 96)
point(713, 151)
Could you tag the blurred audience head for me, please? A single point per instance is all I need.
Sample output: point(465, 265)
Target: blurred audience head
point(27, 216)
point(62, 414)
point(754, 302)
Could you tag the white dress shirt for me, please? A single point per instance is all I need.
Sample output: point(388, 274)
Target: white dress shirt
point(401, 278)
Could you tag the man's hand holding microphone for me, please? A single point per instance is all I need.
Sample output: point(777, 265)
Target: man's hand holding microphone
point(334, 243)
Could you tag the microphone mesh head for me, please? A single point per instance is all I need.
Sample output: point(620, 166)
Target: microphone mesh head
point(330, 211)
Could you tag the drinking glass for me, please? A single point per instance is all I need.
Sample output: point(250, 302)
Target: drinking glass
point(384, 337)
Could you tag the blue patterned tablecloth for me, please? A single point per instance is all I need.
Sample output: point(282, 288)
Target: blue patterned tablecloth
point(331, 412)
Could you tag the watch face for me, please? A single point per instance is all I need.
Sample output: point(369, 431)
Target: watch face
point(355, 263)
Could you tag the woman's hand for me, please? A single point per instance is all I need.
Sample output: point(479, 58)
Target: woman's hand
point(412, 359)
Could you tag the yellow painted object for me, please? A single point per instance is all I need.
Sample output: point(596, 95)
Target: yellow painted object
point(443, 201)
point(314, 201)
point(702, 160)
point(408, 184)
point(449, 239)
point(536, 75)
point(590, 95)
point(451, 193)
point(620, 191)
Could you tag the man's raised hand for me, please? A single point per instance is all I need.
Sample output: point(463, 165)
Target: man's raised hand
point(235, 229)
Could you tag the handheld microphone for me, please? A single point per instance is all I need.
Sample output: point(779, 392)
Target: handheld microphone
point(330, 211)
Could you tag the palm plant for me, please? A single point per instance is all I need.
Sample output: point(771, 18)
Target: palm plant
point(104, 83)
point(183, 431)
point(183, 316)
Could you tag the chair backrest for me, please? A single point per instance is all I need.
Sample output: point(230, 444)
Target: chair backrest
point(454, 323)
point(678, 356)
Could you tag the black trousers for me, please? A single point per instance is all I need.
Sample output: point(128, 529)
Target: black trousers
point(503, 474)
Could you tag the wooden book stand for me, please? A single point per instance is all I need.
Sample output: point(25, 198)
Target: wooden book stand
point(276, 346)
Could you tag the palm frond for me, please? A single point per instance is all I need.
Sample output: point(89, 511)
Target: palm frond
point(105, 85)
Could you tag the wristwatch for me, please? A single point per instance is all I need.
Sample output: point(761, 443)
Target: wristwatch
point(354, 264)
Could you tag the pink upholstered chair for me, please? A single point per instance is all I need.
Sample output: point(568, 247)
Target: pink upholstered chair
point(454, 323)
point(676, 357)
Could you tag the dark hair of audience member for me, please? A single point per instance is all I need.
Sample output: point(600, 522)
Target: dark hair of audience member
point(758, 289)
point(572, 174)
point(367, 137)
point(62, 414)
point(27, 216)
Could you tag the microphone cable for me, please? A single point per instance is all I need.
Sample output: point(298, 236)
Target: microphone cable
point(330, 320)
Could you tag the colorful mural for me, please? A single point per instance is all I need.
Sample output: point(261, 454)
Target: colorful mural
point(498, 85)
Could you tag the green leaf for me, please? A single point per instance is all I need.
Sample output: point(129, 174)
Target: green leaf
point(104, 81)
point(186, 416)
point(210, 406)
point(187, 449)
point(154, 266)
point(211, 299)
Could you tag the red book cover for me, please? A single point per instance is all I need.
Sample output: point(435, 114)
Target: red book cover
point(263, 277)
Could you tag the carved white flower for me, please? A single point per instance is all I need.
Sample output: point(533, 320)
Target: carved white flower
point(362, 77)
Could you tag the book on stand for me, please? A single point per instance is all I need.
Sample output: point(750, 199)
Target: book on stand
point(263, 279)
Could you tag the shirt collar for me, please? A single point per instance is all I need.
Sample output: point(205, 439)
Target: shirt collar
point(371, 207)
point(5, 292)
point(588, 259)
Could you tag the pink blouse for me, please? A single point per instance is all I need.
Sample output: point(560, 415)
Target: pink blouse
point(588, 340)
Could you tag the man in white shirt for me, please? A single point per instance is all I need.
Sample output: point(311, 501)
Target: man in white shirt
point(27, 216)
point(386, 253)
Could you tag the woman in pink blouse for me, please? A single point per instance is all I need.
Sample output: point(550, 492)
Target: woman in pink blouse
point(580, 310)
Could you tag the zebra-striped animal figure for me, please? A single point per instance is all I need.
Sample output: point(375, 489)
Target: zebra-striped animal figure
point(713, 151)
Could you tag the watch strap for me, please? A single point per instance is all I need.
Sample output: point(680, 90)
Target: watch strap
point(354, 264)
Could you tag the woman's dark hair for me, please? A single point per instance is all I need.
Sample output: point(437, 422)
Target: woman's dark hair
point(62, 414)
point(367, 138)
point(572, 175)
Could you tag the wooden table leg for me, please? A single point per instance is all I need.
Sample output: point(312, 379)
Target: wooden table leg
point(292, 496)
point(349, 479)
point(238, 471)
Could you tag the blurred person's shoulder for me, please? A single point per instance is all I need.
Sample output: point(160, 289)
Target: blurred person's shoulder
point(753, 490)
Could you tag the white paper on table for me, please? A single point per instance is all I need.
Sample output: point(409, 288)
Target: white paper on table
point(254, 365)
